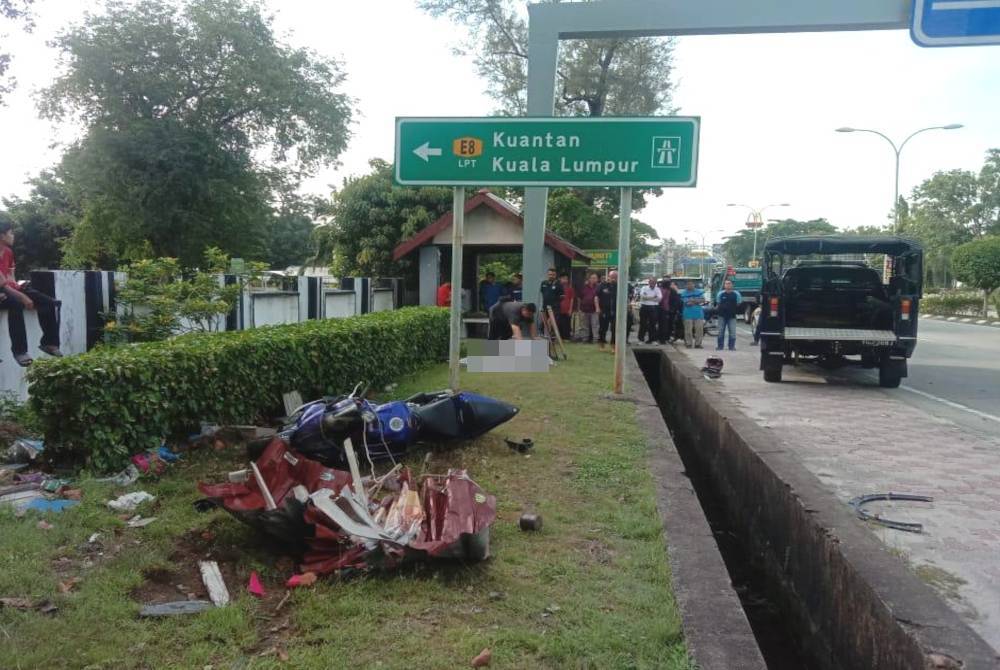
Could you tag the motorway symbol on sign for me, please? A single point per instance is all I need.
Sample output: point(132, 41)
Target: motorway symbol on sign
point(495, 151)
point(938, 23)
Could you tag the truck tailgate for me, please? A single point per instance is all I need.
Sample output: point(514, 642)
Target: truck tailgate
point(842, 334)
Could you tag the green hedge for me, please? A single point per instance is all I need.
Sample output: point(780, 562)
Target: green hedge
point(948, 304)
point(105, 405)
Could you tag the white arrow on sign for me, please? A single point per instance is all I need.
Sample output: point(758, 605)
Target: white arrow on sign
point(425, 150)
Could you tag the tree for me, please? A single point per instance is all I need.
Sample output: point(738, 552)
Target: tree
point(14, 11)
point(604, 77)
point(197, 120)
point(43, 223)
point(290, 238)
point(739, 247)
point(371, 215)
point(977, 263)
point(596, 77)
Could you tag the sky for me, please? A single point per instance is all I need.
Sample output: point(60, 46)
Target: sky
point(769, 105)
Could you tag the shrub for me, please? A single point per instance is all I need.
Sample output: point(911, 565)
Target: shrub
point(948, 304)
point(103, 406)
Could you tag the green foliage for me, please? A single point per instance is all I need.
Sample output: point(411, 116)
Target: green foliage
point(739, 247)
point(977, 263)
point(42, 222)
point(613, 77)
point(197, 119)
point(371, 215)
point(158, 300)
point(104, 405)
point(13, 411)
point(951, 303)
point(14, 11)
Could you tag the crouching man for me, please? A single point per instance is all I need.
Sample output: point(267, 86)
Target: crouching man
point(513, 319)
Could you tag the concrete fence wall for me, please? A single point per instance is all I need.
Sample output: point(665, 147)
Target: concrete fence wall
point(88, 296)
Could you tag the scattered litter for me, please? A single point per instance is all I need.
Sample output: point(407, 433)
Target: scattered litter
point(283, 601)
point(23, 450)
point(138, 522)
point(255, 587)
point(68, 585)
point(72, 494)
point(264, 491)
point(529, 521)
point(30, 477)
point(292, 401)
point(129, 501)
point(43, 606)
point(216, 585)
point(713, 367)
point(483, 660)
point(44, 525)
point(858, 502)
point(522, 445)
point(497, 595)
point(174, 608)
point(93, 538)
point(305, 579)
point(239, 476)
point(21, 499)
point(551, 609)
point(6, 475)
point(126, 477)
point(54, 485)
point(45, 505)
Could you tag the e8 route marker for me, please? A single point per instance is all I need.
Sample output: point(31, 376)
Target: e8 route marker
point(497, 151)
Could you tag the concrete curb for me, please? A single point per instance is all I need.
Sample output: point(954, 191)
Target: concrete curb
point(972, 320)
point(855, 605)
point(716, 631)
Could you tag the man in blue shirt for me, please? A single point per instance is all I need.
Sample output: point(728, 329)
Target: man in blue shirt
point(693, 315)
point(489, 292)
point(728, 302)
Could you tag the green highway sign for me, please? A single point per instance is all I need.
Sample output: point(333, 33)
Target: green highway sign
point(544, 151)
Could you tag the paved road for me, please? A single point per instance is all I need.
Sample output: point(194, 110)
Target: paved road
point(954, 374)
point(937, 435)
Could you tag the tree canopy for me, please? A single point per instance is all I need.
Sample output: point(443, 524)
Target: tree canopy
point(739, 247)
point(198, 123)
point(371, 215)
point(13, 12)
point(977, 263)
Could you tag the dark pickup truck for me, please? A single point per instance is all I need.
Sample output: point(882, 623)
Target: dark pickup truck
point(821, 299)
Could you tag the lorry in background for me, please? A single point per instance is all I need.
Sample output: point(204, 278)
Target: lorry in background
point(745, 280)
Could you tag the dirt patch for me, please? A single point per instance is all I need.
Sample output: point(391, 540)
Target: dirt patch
point(598, 552)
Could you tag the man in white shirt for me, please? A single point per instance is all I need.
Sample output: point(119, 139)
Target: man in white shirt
point(649, 310)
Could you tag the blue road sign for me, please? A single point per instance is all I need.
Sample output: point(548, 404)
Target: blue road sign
point(949, 23)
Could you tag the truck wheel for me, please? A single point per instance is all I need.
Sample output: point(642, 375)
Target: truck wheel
point(888, 377)
point(772, 372)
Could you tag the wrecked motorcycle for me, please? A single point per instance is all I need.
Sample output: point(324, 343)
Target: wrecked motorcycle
point(386, 431)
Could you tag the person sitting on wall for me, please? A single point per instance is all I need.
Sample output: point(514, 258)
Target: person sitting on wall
point(15, 299)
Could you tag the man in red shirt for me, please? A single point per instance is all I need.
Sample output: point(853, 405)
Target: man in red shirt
point(15, 300)
point(589, 318)
point(567, 305)
point(444, 295)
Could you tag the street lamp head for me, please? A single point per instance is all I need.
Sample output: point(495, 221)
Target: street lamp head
point(952, 126)
point(846, 129)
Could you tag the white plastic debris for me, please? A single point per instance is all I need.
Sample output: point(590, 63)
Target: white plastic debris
point(130, 501)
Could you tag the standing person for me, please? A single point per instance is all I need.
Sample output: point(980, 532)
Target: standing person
point(728, 302)
point(567, 305)
point(15, 300)
point(489, 292)
point(694, 315)
point(444, 295)
point(513, 289)
point(589, 317)
point(512, 319)
point(607, 298)
point(676, 311)
point(552, 293)
point(649, 310)
point(665, 328)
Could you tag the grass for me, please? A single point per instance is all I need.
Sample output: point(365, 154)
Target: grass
point(591, 590)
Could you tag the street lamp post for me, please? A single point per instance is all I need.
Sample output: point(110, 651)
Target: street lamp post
point(757, 219)
point(898, 150)
point(703, 236)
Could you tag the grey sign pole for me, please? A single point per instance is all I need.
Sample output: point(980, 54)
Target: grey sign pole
point(550, 22)
point(457, 233)
point(621, 300)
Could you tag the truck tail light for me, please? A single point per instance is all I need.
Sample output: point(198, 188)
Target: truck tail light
point(905, 309)
point(774, 307)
